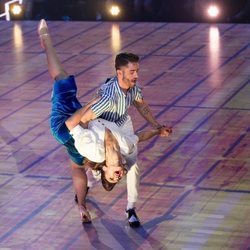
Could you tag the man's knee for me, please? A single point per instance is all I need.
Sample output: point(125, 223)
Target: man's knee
point(134, 170)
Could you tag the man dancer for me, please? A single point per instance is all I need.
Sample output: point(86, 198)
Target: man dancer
point(114, 99)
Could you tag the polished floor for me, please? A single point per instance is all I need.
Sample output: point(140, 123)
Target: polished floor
point(195, 185)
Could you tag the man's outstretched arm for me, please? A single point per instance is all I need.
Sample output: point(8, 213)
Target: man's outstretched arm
point(145, 111)
point(146, 135)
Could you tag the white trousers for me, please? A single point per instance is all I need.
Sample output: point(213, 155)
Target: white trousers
point(133, 175)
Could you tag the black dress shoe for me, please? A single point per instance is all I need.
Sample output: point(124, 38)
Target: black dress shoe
point(133, 219)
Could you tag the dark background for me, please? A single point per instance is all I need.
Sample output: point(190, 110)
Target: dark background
point(161, 10)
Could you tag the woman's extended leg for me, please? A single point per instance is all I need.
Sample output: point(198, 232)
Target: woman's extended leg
point(57, 72)
point(55, 67)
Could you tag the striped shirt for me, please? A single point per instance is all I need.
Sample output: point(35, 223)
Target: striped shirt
point(114, 103)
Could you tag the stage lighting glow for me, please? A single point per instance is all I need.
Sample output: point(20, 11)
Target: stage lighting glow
point(18, 37)
point(7, 8)
point(16, 9)
point(214, 57)
point(115, 10)
point(213, 11)
point(116, 38)
point(18, 48)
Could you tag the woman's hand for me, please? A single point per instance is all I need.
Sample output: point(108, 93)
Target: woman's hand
point(165, 131)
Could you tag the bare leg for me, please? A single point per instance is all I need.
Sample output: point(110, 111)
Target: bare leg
point(79, 178)
point(56, 69)
point(57, 72)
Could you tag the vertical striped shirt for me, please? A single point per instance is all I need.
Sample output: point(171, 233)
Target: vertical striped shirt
point(114, 103)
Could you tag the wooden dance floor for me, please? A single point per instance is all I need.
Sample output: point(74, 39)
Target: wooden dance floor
point(195, 184)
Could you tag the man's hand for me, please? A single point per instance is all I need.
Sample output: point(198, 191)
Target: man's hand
point(81, 116)
point(164, 131)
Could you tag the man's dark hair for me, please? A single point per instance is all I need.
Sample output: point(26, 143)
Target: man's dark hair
point(123, 59)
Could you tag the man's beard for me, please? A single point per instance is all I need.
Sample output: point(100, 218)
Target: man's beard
point(129, 82)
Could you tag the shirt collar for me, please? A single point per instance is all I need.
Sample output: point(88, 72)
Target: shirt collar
point(119, 88)
point(120, 92)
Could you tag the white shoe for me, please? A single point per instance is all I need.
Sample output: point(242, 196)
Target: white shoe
point(42, 31)
point(84, 214)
